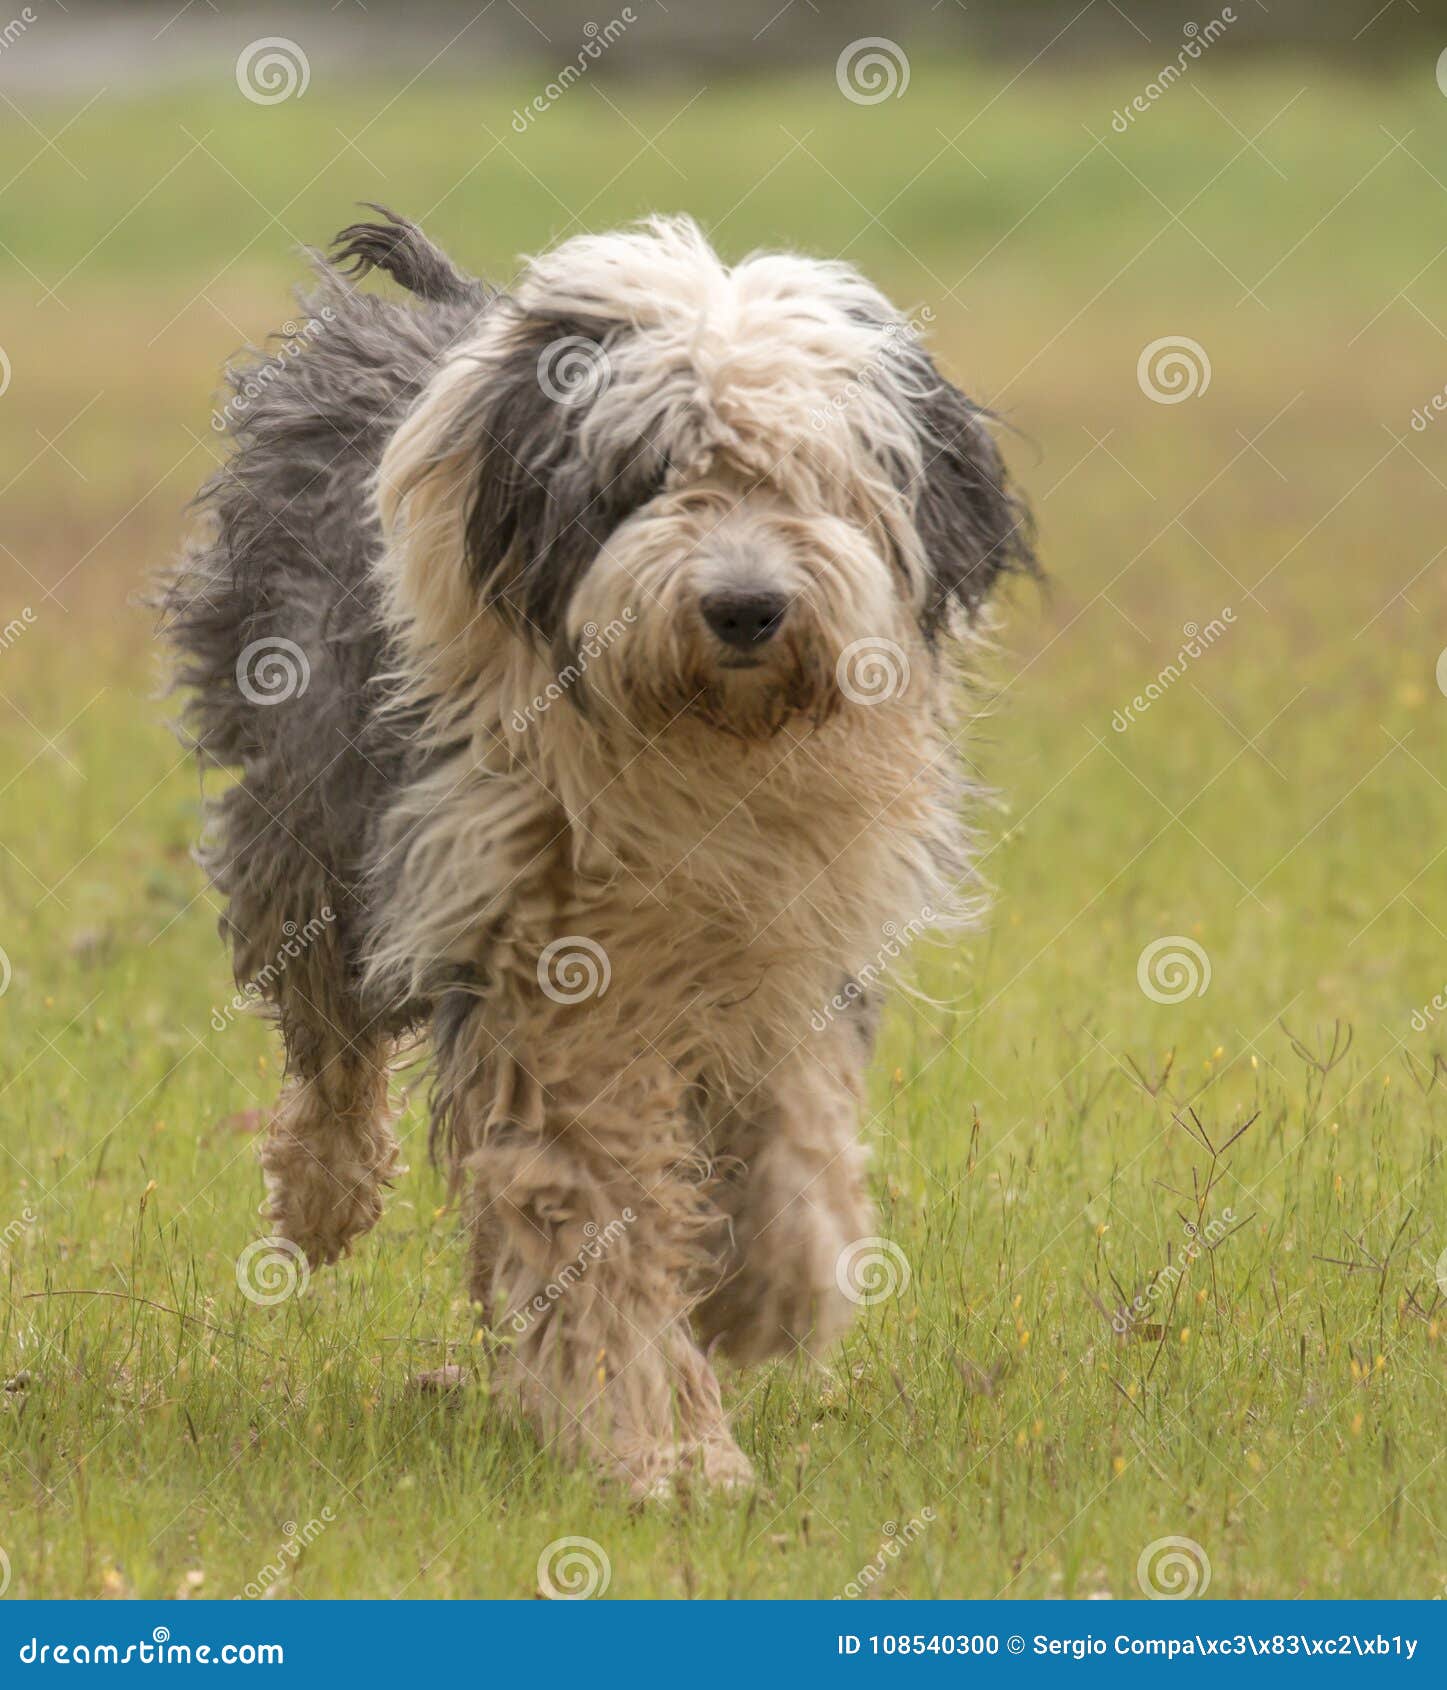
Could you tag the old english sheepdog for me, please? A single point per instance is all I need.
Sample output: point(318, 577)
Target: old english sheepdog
point(586, 651)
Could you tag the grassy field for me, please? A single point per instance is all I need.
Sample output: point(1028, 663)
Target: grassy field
point(1279, 804)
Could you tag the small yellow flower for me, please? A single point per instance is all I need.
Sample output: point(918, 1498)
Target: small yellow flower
point(1118, 1465)
point(1185, 1334)
point(1358, 1421)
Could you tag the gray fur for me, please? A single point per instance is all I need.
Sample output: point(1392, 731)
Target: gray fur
point(286, 542)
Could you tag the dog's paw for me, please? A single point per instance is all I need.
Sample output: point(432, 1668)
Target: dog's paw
point(657, 1472)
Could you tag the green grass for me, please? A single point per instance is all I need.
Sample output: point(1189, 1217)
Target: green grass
point(1281, 805)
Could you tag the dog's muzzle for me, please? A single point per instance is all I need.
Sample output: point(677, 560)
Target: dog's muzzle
point(744, 620)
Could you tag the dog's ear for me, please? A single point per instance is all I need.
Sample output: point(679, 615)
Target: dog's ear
point(540, 508)
point(973, 525)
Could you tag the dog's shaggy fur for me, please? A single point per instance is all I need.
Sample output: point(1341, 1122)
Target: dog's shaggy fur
point(620, 729)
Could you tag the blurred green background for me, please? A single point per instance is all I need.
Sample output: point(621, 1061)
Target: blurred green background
point(1281, 205)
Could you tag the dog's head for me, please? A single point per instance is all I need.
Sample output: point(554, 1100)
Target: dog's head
point(725, 493)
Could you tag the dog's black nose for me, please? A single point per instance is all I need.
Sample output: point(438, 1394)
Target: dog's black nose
point(744, 619)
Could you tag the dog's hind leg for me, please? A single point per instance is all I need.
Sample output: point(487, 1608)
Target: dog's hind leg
point(330, 1153)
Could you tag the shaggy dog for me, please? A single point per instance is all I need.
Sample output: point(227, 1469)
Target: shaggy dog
point(584, 653)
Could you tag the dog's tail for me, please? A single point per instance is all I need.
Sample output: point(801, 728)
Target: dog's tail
point(408, 257)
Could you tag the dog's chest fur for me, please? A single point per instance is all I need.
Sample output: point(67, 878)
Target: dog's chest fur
point(726, 892)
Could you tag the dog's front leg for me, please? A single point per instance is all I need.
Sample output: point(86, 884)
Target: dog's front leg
point(793, 1189)
point(589, 1220)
